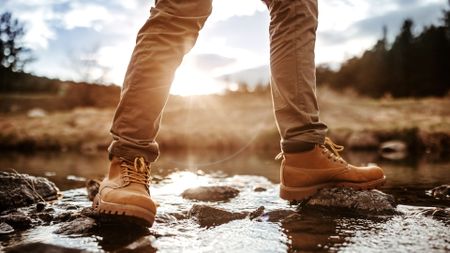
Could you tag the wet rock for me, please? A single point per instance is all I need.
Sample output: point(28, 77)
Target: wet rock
point(17, 220)
point(40, 206)
point(5, 228)
point(89, 212)
point(39, 247)
point(207, 216)
point(143, 244)
point(92, 187)
point(17, 190)
point(46, 217)
point(371, 202)
point(394, 150)
point(81, 225)
point(291, 218)
point(210, 193)
point(363, 140)
point(441, 192)
point(257, 213)
point(276, 215)
point(259, 189)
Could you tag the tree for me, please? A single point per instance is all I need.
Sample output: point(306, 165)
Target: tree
point(13, 54)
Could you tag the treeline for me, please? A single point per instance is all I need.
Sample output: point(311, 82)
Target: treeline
point(411, 66)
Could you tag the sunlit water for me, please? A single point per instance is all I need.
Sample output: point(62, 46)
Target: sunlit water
point(175, 172)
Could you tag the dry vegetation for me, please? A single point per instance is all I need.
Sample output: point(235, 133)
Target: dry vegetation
point(237, 120)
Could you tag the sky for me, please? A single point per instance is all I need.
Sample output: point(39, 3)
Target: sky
point(93, 39)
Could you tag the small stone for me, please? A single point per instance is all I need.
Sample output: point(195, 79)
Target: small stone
point(367, 202)
point(46, 217)
point(81, 225)
point(257, 213)
point(441, 192)
point(40, 206)
point(92, 187)
point(259, 189)
point(5, 228)
point(207, 216)
point(394, 150)
point(210, 193)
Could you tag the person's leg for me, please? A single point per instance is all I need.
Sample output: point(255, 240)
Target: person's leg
point(169, 33)
point(292, 40)
point(311, 161)
point(165, 38)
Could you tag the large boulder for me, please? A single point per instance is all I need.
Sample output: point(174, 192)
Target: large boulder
point(370, 202)
point(207, 216)
point(18, 190)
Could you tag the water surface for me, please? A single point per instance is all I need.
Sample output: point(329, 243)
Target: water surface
point(177, 171)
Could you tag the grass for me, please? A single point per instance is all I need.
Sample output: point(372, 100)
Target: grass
point(232, 121)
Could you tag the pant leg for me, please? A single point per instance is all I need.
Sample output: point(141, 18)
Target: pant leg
point(169, 33)
point(292, 40)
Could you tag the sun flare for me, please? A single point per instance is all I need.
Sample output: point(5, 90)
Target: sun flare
point(190, 81)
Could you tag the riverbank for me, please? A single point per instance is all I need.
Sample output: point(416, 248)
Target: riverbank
point(241, 121)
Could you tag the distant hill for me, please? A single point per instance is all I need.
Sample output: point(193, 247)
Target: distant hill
point(252, 76)
point(23, 91)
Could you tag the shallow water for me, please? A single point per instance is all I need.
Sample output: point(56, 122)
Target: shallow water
point(408, 181)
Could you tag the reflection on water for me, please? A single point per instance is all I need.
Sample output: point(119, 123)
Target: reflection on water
point(175, 172)
point(68, 170)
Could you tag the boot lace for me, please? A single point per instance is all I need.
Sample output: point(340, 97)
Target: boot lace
point(137, 172)
point(331, 150)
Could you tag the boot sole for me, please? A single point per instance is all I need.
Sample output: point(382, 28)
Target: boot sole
point(301, 193)
point(123, 213)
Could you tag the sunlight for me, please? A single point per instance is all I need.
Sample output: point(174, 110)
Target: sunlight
point(182, 180)
point(190, 81)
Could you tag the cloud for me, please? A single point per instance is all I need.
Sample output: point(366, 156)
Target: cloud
point(372, 26)
point(209, 62)
point(87, 15)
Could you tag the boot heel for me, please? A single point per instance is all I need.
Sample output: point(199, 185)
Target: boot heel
point(300, 193)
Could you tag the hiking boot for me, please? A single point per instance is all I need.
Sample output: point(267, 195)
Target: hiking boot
point(303, 174)
point(125, 193)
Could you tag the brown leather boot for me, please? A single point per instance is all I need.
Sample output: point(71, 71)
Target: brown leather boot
point(125, 192)
point(303, 174)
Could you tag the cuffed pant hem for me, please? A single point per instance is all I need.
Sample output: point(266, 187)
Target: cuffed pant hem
point(302, 142)
point(130, 153)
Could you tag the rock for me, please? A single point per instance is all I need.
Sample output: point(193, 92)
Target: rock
point(5, 228)
point(210, 193)
point(257, 213)
point(17, 190)
point(92, 187)
point(17, 220)
point(441, 192)
point(363, 140)
point(36, 113)
point(81, 225)
point(371, 202)
point(394, 150)
point(276, 215)
point(259, 189)
point(46, 217)
point(143, 244)
point(39, 247)
point(207, 216)
point(40, 206)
